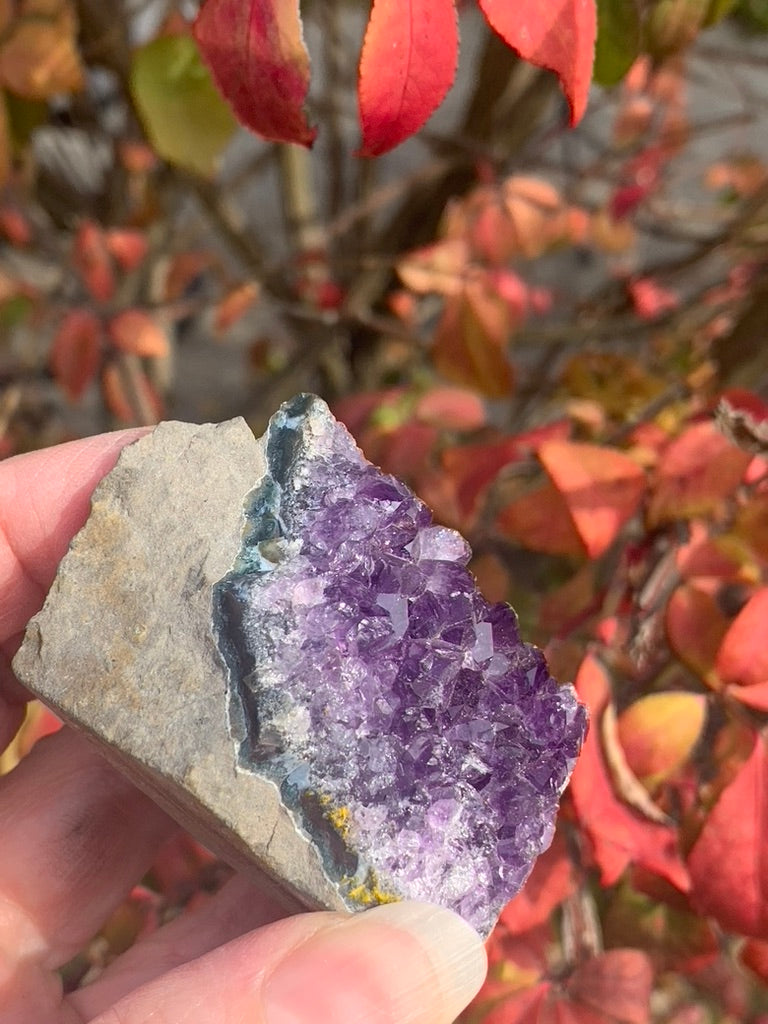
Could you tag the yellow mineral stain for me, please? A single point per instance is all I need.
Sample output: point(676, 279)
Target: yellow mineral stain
point(339, 818)
point(370, 894)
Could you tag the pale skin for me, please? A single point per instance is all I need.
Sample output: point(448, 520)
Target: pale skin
point(76, 836)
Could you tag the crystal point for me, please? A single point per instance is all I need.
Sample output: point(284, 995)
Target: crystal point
point(413, 735)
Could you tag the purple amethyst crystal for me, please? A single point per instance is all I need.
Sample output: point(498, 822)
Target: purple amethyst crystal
point(414, 736)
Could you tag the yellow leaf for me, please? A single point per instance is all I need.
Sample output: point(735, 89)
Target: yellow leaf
point(187, 121)
point(659, 731)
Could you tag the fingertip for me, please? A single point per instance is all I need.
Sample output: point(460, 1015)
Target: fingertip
point(401, 963)
point(455, 950)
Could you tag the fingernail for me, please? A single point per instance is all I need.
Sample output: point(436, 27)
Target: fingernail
point(454, 948)
point(401, 963)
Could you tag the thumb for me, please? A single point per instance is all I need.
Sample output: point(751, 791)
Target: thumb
point(402, 963)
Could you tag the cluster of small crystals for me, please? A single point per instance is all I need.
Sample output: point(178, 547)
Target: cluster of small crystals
point(386, 683)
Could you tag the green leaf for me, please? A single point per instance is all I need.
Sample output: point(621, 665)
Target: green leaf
point(618, 39)
point(187, 121)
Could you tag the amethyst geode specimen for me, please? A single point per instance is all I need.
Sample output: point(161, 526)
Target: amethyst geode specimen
point(414, 736)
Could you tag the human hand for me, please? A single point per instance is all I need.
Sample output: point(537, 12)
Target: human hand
point(76, 836)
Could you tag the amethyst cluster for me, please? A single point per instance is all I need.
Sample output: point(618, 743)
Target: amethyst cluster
point(420, 743)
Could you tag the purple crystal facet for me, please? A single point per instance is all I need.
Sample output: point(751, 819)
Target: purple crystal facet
point(417, 739)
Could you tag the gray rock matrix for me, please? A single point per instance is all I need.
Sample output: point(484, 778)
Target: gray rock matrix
point(123, 648)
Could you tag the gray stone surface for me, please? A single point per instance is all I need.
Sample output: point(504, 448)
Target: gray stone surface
point(123, 648)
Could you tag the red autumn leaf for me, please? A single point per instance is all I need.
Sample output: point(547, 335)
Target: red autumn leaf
point(472, 467)
point(555, 34)
point(650, 299)
point(14, 226)
point(705, 556)
point(742, 658)
point(551, 881)
point(76, 352)
point(135, 331)
point(540, 521)
point(91, 258)
point(612, 988)
point(729, 861)
point(602, 488)
point(625, 200)
point(407, 66)
point(522, 1007)
point(129, 247)
point(754, 955)
point(696, 472)
point(616, 983)
point(695, 626)
point(404, 451)
point(451, 409)
point(356, 411)
point(255, 50)
point(619, 837)
point(743, 418)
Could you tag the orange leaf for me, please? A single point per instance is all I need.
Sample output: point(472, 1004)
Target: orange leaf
point(135, 331)
point(255, 50)
point(76, 352)
point(618, 836)
point(91, 258)
point(755, 696)
point(602, 488)
point(235, 305)
point(743, 658)
point(407, 66)
point(695, 627)
point(438, 268)
point(540, 521)
point(729, 861)
point(129, 247)
point(472, 467)
point(38, 55)
point(559, 36)
point(695, 473)
point(659, 731)
point(471, 339)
